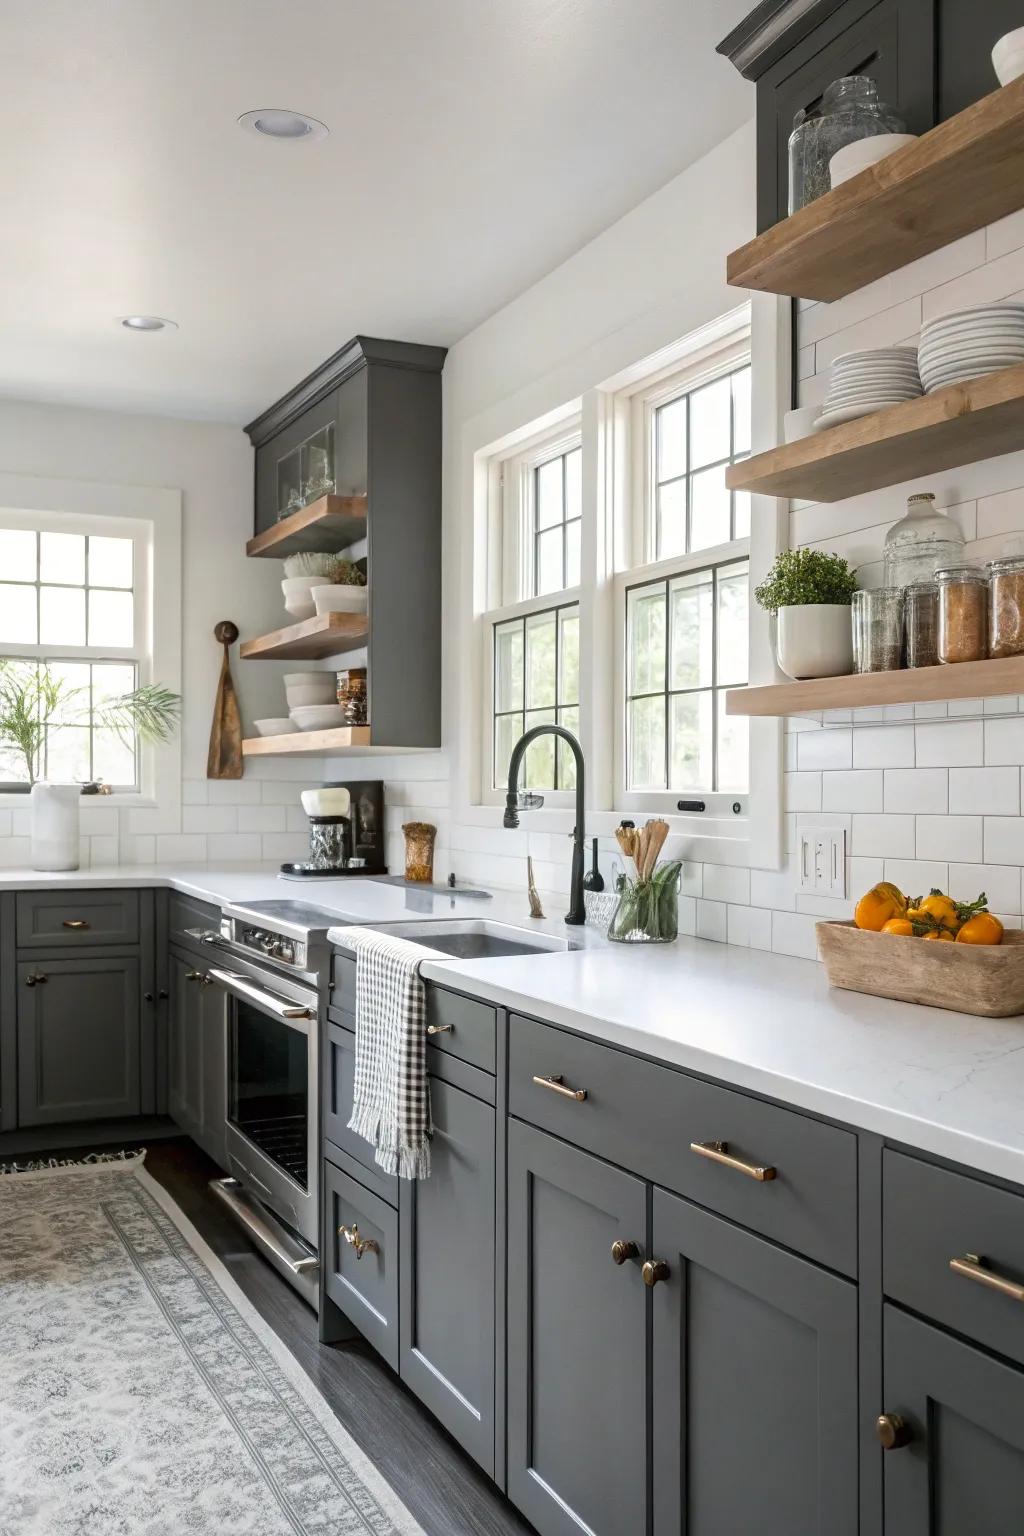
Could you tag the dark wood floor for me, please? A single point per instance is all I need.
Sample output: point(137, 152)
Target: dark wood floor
point(443, 1489)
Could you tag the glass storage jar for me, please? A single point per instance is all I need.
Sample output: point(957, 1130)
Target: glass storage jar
point(1006, 607)
point(419, 850)
point(963, 613)
point(878, 630)
point(851, 109)
point(924, 541)
point(648, 910)
point(921, 623)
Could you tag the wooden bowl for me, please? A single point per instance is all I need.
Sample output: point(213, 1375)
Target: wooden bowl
point(987, 980)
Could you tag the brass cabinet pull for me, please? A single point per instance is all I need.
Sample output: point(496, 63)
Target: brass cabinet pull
point(557, 1085)
point(34, 979)
point(718, 1152)
point(440, 1029)
point(893, 1431)
point(360, 1244)
point(973, 1267)
point(653, 1271)
point(623, 1250)
point(75, 922)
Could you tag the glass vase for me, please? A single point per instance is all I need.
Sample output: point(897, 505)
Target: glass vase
point(648, 910)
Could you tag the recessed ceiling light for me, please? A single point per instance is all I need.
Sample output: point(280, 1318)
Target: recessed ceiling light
point(278, 123)
point(147, 323)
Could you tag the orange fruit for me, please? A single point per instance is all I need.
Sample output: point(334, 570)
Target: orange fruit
point(942, 934)
point(901, 926)
point(882, 902)
point(983, 928)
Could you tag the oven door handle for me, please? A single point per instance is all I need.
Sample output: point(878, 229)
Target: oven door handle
point(295, 1015)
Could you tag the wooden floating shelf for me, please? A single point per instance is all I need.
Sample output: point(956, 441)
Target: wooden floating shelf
point(330, 523)
point(328, 634)
point(962, 175)
point(353, 739)
point(980, 419)
point(922, 685)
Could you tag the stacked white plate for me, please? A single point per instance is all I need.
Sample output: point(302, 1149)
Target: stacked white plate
point(970, 342)
point(868, 381)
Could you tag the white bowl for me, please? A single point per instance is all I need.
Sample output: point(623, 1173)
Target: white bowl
point(283, 726)
point(298, 594)
point(799, 423)
point(1008, 56)
point(340, 599)
point(318, 717)
point(854, 158)
point(309, 688)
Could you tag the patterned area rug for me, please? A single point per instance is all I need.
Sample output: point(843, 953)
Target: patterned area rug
point(141, 1394)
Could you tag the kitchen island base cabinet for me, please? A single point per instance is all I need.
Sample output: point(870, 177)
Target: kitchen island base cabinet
point(197, 1049)
point(577, 1347)
point(79, 1039)
point(961, 1469)
point(446, 1283)
point(754, 1384)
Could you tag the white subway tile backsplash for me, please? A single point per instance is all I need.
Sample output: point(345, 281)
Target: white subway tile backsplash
point(988, 791)
point(914, 790)
point(884, 836)
point(261, 818)
point(887, 746)
point(858, 789)
point(1004, 741)
point(774, 888)
point(949, 837)
point(955, 744)
point(195, 792)
point(179, 848)
point(1005, 235)
point(209, 818)
point(803, 790)
point(722, 883)
point(862, 874)
point(233, 791)
point(997, 279)
point(879, 330)
point(712, 921)
point(831, 748)
point(750, 927)
point(1001, 884)
point(234, 846)
point(1004, 840)
point(793, 933)
point(915, 877)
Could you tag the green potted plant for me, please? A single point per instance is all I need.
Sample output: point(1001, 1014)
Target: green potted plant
point(810, 594)
point(347, 592)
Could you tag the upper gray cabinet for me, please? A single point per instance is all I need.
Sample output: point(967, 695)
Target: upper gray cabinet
point(350, 459)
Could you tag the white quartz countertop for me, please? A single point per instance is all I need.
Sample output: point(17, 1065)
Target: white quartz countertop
point(943, 1082)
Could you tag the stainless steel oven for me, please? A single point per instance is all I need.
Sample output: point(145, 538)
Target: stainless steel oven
point(272, 1120)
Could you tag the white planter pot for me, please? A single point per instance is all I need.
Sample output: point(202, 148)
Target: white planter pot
point(815, 640)
point(55, 820)
point(340, 599)
point(298, 594)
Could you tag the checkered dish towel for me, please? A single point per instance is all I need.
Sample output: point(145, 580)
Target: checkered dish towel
point(391, 1101)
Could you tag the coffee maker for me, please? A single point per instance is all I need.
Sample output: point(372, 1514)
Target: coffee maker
point(343, 844)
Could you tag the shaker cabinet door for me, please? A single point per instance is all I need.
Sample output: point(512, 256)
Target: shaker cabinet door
point(446, 1280)
point(961, 1468)
point(79, 1027)
point(577, 1346)
point(185, 1064)
point(754, 1384)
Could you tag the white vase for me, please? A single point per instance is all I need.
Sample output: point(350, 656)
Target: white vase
point(815, 640)
point(55, 809)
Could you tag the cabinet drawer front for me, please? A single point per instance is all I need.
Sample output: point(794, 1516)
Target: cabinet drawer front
point(932, 1216)
point(645, 1117)
point(462, 1027)
point(188, 912)
point(339, 1080)
point(57, 920)
point(364, 1287)
point(343, 982)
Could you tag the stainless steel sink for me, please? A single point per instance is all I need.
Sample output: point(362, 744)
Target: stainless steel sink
point(476, 938)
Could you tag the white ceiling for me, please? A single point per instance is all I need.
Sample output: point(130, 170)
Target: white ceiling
point(474, 145)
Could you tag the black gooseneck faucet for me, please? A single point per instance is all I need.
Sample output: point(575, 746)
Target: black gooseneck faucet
point(577, 912)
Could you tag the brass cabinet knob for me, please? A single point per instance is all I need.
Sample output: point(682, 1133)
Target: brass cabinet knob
point(359, 1244)
point(892, 1431)
point(35, 979)
point(623, 1250)
point(653, 1271)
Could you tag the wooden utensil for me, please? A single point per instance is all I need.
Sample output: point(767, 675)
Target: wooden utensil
point(224, 759)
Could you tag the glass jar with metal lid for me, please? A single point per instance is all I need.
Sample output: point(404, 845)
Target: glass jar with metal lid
point(925, 540)
point(963, 613)
point(1006, 607)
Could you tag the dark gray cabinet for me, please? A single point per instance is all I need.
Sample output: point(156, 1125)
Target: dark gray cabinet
point(197, 1054)
point(754, 1383)
point(960, 1468)
point(446, 1281)
point(577, 1346)
point(79, 1037)
point(360, 1259)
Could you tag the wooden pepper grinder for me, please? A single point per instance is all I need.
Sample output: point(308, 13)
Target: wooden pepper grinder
point(224, 760)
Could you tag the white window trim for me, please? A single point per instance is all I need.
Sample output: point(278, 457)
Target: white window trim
point(607, 477)
point(152, 517)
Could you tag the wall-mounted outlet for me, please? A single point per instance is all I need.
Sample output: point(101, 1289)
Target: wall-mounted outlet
point(821, 861)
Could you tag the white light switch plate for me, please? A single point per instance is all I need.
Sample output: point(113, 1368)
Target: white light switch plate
point(821, 861)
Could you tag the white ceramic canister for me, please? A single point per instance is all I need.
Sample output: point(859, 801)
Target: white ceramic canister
point(815, 640)
point(55, 822)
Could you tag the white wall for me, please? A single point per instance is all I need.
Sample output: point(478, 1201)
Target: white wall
point(212, 466)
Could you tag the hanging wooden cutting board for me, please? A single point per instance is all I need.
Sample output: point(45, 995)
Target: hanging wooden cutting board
point(224, 760)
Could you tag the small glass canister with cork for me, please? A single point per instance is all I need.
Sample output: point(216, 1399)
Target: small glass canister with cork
point(419, 851)
point(878, 629)
point(1006, 607)
point(963, 613)
point(921, 623)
